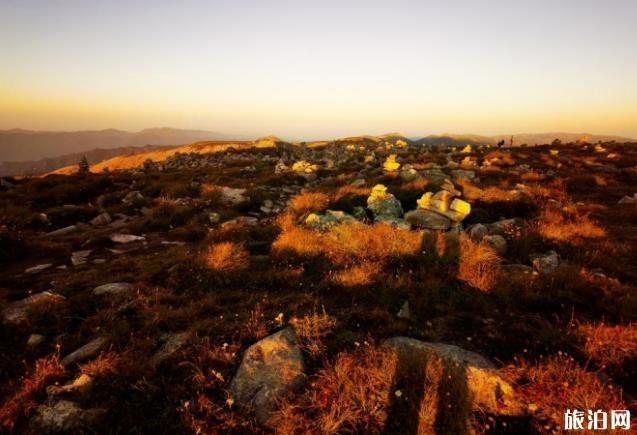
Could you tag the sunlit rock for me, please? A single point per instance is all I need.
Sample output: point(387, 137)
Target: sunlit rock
point(391, 165)
point(468, 373)
point(271, 369)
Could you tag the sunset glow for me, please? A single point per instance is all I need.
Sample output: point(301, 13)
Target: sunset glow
point(320, 69)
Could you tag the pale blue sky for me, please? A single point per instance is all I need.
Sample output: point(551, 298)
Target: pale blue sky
point(322, 68)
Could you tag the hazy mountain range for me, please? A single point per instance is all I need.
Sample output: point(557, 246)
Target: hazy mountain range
point(21, 145)
point(24, 152)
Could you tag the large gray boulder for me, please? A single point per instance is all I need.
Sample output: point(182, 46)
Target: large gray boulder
point(270, 369)
point(485, 389)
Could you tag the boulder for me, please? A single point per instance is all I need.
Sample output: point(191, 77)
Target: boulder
point(327, 220)
point(80, 385)
point(112, 288)
point(477, 232)
point(409, 174)
point(125, 238)
point(427, 219)
point(39, 268)
point(172, 345)
point(404, 312)
point(271, 369)
point(545, 264)
point(35, 340)
point(85, 352)
point(17, 312)
point(62, 231)
point(628, 199)
point(458, 210)
point(497, 243)
point(65, 416)
point(391, 165)
point(485, 389)
point(80, 257)
point(132, 197)
point(383, 205)
point(101, 219)
point(232, 197)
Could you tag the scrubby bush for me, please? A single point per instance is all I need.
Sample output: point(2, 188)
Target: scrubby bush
point(479, 264)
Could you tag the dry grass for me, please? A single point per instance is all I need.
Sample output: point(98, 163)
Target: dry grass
point(312, 330)
point(360, 274)
point(559, 383)
point(106, 363)
point(348, 189)
point(479, 264)
point(609, 345)
point(227, 257)
point(308, 202)
point(567, 224)
point(22, 402)
point(489, 194)
point(256, 327)
point(417, 184)
point(348, 243)
point(350, 396)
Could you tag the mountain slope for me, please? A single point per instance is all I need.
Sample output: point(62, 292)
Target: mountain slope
point(204, 147)
point(23, 145)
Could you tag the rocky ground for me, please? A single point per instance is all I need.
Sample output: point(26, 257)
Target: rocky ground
point(362, 286)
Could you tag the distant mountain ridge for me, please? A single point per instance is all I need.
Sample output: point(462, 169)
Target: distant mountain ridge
point(52, 163)
point(23, 145)
point(518, 139)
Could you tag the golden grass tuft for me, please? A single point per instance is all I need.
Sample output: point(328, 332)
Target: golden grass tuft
point(609, 345)
point(227, 257)
point(567, 224)
point(359, 274)
point(558, 383)
point(479, 264)
point(20, 404)
point(308, 202)
point(348, 242)
point(106, 363)
point(312, 330)
point(350, 396)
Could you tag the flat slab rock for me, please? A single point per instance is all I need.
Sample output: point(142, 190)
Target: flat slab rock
point(112, 288)
point(270, 369)
point(88, 351)
point(487, 390)
point(125, 238)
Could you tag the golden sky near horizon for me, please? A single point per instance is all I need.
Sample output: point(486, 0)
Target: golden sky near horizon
point(308, 69)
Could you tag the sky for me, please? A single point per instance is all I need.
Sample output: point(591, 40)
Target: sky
point(320, 69)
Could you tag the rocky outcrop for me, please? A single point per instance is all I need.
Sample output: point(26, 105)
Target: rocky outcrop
point(270, 369)
point(383, 205)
